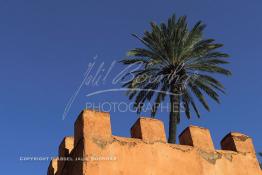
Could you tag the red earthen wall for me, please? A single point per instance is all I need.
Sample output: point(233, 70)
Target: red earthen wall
point(95, 151)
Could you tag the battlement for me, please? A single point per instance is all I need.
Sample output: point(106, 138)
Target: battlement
point(95, 151)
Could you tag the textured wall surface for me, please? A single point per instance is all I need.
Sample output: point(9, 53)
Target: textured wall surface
point(95, 151)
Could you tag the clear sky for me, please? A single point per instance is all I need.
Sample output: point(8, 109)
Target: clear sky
point(45, 48)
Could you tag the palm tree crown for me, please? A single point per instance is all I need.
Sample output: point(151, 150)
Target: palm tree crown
point(177, 62)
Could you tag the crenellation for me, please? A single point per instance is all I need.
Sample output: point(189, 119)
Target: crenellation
point(65, 148)
point(92, 124)
point(147, 151)
point(52, 168)
point(238, 142)
point(149, 130)
point(198, 137)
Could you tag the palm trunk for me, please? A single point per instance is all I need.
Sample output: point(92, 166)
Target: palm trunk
point(173, 116)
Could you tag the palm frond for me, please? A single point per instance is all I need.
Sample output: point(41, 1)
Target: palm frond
point(179, 57)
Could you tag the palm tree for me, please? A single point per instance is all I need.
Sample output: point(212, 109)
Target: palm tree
point(177, 62)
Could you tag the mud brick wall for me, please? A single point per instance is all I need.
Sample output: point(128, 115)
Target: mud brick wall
point(95, 151)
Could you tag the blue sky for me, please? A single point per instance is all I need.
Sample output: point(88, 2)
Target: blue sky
point(46, 46)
